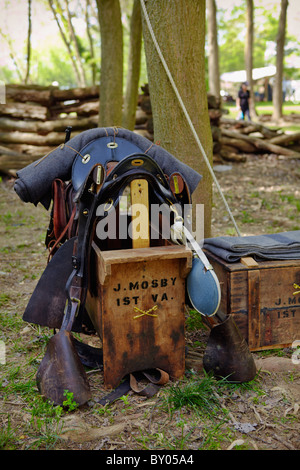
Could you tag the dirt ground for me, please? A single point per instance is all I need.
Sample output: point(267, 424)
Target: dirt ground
point(264, 196)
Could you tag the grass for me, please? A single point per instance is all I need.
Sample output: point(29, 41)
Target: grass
point(194, 321)
point(197, 407)
point(267, 108)
point(197, 395)
point(193, 413)
point(44, 419)
point(202, 395)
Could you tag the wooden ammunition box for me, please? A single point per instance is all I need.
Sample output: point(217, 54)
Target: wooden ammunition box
point(136, 301)
point(262, 299)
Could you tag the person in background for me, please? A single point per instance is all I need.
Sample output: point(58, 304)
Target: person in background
point(284, 89)
point(243, 101)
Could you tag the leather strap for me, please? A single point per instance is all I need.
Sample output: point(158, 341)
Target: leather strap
point(93, 358)
point(77, 284)
point(54, 246)
point(59, 208)
point(133, 382)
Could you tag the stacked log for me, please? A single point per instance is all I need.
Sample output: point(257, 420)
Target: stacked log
point(143, 117)
point(242, 138)
point(232, 140)
point(215, 113)
point(34, 119)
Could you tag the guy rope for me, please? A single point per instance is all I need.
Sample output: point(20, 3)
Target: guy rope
point(157, 47)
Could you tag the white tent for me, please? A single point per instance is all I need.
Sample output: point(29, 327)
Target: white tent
point(241, 76)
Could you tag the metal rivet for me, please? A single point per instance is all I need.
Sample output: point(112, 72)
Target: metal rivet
point(112, 145)
point(86, 158)
point(137, 162)
point(85, 212)
point(108, 205)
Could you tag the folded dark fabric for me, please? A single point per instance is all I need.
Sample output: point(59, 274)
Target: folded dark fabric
point(34, 182)
point(281, 246)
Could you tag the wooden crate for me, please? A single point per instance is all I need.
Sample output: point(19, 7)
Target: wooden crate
point(260, 296)
point(136, 302)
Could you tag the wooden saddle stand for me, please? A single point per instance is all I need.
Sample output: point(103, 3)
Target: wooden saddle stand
point(131, 290)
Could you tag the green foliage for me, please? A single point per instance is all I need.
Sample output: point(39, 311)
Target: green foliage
point(231, 39)
point(232, 32)
point(45, 423)
point(69, 403)
point(197, 394)
point(53, 64)
point(194, 321)
point(7, 435)
point(7, 75)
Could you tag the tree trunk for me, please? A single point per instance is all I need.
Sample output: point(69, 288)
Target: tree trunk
point(180, 31)
point(91, 42)
point(13, 55)
point(277, 93)
point(111, 82)
point(249, 55)
point(134, 63)
point(213, 50)
point(66, 42)
point(76, 46)
point(28, 44)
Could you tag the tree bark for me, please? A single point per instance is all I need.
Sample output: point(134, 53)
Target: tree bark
point(213, 49)
point(277, 92)
point(180, 31)
point(111, 82)
point(28, 59)
point(134, 65)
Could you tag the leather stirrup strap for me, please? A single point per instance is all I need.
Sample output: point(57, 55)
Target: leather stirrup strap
point(52, 248)
point(156, 377)
point(76, 287)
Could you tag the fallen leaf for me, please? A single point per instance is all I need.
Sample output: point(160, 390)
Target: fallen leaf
point(245, 428)
point(25, 330)
point(77, 430)
point(295, 409)
point(237, 442)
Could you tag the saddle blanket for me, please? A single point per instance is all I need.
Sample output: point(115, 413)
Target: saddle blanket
point(34, 182)
point(280, 246)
